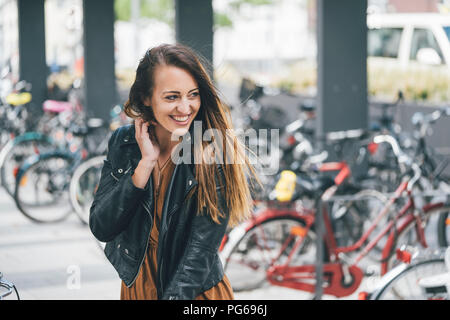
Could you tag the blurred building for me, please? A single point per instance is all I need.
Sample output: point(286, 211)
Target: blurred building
point(63, 33)
point(9, 33)
point(264, 38)
point(131, 40)
point(63, 29)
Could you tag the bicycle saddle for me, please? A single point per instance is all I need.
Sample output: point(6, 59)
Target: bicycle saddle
point(55, 106)
point(17, 99)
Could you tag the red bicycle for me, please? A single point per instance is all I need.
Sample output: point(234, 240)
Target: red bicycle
point(278, 246)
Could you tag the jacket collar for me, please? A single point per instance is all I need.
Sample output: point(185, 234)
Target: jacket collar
point(129, 136)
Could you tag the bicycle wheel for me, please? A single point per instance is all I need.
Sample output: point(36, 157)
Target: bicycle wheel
point(83, 185)
point(4, 137)
point(402, 283)
point(13, 155)
point(352, 218)
point(41, 192)
point(251, 255)
point(408, 236)
point(443, 227)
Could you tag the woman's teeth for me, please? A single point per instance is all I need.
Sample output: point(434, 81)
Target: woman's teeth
point(181, 119)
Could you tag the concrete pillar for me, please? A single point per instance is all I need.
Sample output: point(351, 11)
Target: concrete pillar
point(99, 73)
point(342, 71)
point(194, 26)
point(32, 64)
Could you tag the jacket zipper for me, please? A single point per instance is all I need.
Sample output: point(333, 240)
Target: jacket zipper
point(117, 179)
point(144, 204)
point(148, 235)
point(169, 219)
point(151, 225)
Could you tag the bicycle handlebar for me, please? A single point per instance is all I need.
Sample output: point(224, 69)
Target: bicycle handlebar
point(402, 157)
point(398, 152)
point(422, 121)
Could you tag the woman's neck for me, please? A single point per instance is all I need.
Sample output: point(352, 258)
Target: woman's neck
point(164, 139)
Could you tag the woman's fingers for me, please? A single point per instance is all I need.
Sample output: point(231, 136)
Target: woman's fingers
point(141, 129)
point(153, 123)
point(146, 139)
point(151, 133)
point(137, 126)
point(144, 130)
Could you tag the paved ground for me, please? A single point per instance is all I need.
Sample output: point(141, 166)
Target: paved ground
point(46, 261)
point(63, 261)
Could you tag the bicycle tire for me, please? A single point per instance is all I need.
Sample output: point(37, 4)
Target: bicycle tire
point(357, 218)
point(56, 187)
point(402, 239)
point(237, 275)
point(8, 165)
point(391, 289)
point(78, 192)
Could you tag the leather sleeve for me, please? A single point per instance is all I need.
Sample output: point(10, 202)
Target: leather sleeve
point(116, 199)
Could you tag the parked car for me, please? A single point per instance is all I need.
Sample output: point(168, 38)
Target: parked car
point(409, 40)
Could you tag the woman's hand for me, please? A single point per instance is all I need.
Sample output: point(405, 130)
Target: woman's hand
point(147, 141)
point(148, 144)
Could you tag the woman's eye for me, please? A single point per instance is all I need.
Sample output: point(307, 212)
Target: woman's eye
point(194, 94)
point(171, 97)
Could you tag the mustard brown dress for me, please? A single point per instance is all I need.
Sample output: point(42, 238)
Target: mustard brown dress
point(144, 288)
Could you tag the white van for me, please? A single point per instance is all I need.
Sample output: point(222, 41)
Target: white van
point(409, 39)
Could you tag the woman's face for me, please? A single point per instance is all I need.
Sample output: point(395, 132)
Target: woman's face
point(175, 100)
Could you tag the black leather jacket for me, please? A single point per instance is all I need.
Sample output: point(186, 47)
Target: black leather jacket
point(122, 216)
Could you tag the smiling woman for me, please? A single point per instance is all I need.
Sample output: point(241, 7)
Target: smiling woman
point(164, 221)
point(175, 96)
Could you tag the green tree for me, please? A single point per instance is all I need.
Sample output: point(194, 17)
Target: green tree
point(236, 4)
point(222, 20)
point(162, 10)
point(122, 10)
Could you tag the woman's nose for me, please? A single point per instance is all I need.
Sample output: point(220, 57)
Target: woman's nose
point(184, 106)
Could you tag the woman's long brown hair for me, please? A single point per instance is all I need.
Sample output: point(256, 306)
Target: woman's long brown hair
point(213, 114)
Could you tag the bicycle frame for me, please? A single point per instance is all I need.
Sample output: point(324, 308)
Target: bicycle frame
point(342, 278)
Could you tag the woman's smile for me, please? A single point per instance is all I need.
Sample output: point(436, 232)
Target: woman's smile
point(181, 120)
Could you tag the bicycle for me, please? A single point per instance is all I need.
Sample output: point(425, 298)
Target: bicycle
point(9, 286)
point(255, 253)
point(433, 167)
point(60, 180)
point(422, 275)
point(42, 182)
point(85, 178)
point(50, 133)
